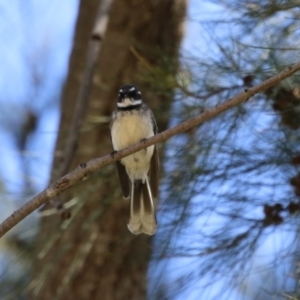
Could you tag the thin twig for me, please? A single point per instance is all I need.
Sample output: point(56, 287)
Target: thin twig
point(147, 65)
point(95, 164)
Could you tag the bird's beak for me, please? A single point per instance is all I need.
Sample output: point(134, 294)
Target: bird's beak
point(127, 100)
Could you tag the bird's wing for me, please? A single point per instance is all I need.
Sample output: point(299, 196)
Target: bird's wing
point(154, 173)
point(124, 179)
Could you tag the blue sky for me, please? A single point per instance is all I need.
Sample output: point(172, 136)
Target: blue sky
point(35, 39)
point(35, 43)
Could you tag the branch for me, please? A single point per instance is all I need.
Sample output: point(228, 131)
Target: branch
point(95, 164)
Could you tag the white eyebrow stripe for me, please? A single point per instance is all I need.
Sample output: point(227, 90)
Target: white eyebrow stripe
point(120, 90)
point(132, 89)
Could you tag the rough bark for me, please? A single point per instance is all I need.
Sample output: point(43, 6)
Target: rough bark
point(93, 255)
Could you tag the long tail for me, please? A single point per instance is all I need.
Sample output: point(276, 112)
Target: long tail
point(142, 213)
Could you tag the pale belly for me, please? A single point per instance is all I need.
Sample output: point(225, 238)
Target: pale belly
point(137, 165)
point(128, 130)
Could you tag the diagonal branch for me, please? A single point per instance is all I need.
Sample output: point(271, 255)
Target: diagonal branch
point(95, 164)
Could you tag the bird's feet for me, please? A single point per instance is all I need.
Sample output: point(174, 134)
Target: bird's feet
point(143, 141)
point(113, 153)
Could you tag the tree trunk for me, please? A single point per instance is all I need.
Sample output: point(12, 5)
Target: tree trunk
point(92, 255)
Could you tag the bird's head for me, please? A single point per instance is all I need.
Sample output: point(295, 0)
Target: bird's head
point(128, 96)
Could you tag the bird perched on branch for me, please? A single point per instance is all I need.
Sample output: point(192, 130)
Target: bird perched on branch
point(133, 121)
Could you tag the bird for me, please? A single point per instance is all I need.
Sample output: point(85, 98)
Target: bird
point(133, 121)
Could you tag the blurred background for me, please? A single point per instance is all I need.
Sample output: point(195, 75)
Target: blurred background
point(229, 204)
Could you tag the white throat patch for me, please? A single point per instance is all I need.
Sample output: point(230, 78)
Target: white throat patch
point(129, 102)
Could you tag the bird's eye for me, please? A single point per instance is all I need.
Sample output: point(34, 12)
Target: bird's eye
point(120, 97)
point(136, 95)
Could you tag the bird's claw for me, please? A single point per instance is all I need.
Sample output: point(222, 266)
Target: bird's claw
point(113, 153)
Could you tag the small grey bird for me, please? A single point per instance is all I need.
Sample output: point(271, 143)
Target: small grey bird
point(133, 121)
